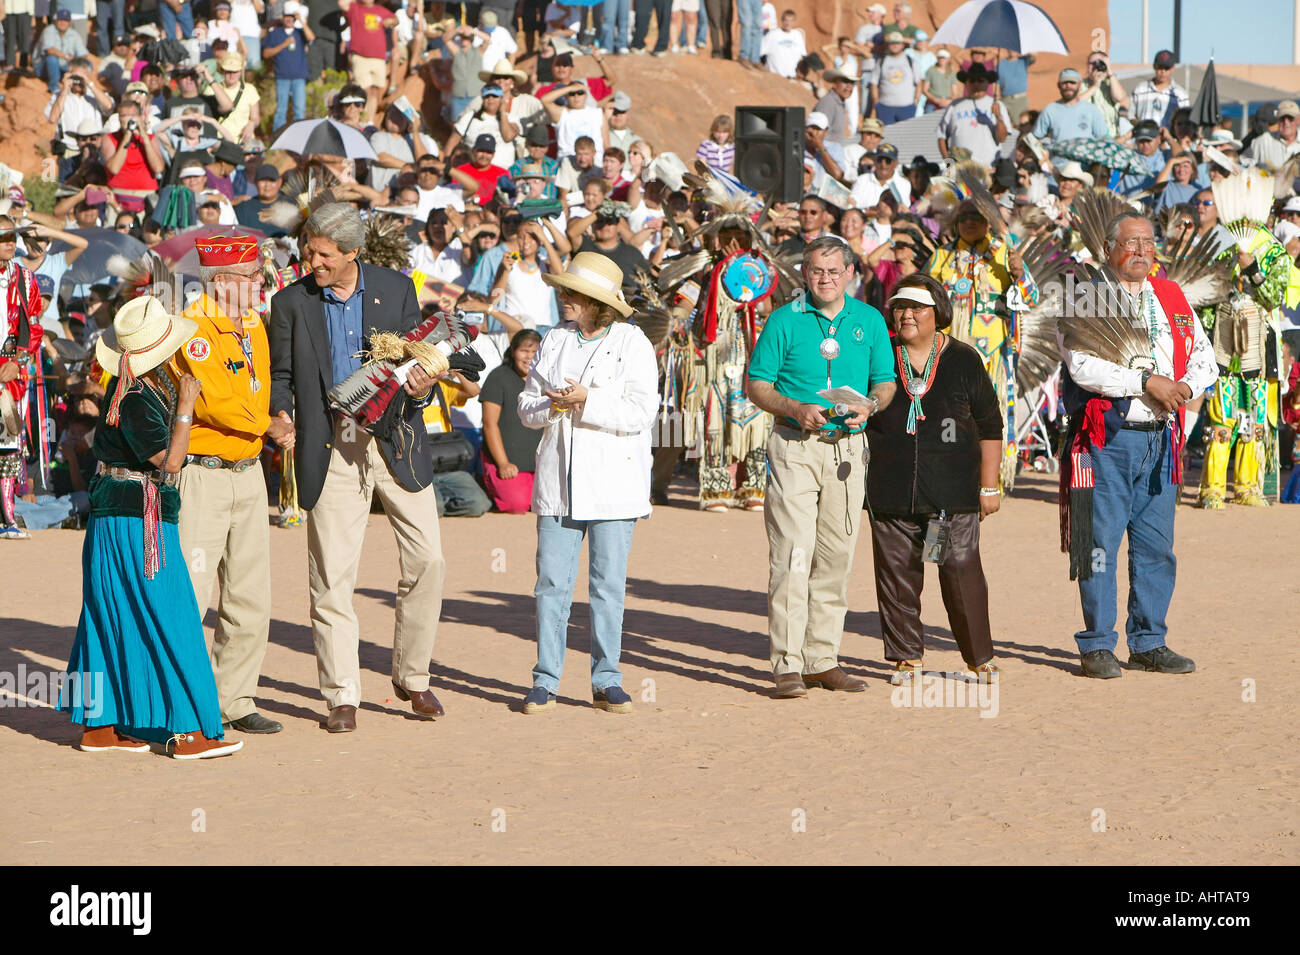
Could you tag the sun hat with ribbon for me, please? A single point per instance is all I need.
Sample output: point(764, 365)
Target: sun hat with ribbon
point(503, 69)
point(143, 336)
point(595, 276)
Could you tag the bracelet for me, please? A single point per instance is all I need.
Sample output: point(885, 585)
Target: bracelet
point(185, 419)
point(990, 492)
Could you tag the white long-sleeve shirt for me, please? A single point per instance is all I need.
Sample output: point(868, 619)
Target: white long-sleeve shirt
point(1116, 381)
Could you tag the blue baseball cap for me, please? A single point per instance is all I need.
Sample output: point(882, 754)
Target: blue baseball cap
point(492, 91)
point(63, 14)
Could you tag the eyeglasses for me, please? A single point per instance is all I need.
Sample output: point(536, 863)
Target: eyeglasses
point(1133, 245)
point(832, 274)
point(426, 171)
point(970, 217)
point(809, 212)
point(1204, 202)
point(255, 277)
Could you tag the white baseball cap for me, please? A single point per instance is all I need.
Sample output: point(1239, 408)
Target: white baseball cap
point(1292, 204)
point(818, 120)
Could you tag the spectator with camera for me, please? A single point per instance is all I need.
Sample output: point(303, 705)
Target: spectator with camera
point(78, 99)
point(132, 158)
point(58, 46)
point(49, 268)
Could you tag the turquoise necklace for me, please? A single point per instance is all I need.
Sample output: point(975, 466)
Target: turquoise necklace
point(917, 386)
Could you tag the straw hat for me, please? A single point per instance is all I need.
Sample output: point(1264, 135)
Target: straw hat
point(595, 276)
point(145, 333)
point(503, 68)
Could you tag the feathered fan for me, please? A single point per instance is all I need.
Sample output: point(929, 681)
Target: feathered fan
point(1195, 264)
point(1095, 208)
point(1110, 327)
point(1046, 262)
point(1244, 202)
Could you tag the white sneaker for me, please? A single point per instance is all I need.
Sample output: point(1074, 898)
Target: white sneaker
point(674, 49)
point(624, 51)
point(692, 50)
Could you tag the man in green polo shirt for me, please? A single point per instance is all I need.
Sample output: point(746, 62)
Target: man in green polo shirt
point(817, 461)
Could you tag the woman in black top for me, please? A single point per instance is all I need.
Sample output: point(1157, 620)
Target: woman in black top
point(935, 455)
point(509, 448)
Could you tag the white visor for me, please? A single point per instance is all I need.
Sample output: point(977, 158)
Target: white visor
point(918, 296)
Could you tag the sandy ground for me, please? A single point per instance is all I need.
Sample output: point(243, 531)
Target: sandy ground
point(1148, 769)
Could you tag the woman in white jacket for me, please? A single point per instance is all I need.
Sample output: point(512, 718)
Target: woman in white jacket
point(594, 389)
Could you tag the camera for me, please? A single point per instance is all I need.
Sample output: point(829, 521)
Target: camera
point(132, 125)
point(1100, 67)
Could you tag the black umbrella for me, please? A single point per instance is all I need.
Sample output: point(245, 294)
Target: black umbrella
point(92, 265)
point(1206, 110)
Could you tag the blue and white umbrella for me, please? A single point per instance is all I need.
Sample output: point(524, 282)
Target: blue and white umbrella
point(1000, 24)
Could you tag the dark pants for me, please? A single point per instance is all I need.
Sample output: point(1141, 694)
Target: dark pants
point(719, 12)
point(18, 35)
point(662, 10)
point(322, 55)
point(1132, 494)
point(900, 575)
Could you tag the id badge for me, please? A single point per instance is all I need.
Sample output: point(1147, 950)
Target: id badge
point(935, 548)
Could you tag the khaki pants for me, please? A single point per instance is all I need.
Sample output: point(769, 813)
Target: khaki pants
point(813, 514)
point(335, 529)
point(224, 532)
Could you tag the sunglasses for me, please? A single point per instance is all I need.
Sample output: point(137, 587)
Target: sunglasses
point(1204, 202)
point(970, 217)
point(10, 236)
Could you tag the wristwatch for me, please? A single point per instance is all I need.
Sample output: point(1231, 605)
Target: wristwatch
point(875, 403)
point(1146, 376)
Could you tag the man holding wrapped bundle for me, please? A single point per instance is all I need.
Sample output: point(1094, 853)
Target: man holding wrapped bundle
point(320, 325)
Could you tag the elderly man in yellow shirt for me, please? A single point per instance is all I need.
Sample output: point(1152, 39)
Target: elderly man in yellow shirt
point(223, 520)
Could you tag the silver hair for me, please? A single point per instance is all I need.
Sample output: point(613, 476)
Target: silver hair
point(825, 246)
point(1112, 227)
point(904, 6)
point(338, 222)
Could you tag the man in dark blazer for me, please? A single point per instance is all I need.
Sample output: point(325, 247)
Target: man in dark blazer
point(318, 324)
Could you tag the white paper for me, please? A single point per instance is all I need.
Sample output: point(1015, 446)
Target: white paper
point(843, 395)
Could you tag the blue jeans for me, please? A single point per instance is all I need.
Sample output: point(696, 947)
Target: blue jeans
point(1132, 493)
point(170, 18)
point(459, 495)
point(284, 91)
point(111, 13)
point(559, 545)
point(613, 29)
point(253, 44)
point(750, 14)
point(894, 114)
point(53, 72)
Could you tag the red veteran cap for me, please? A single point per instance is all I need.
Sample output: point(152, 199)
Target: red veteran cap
point(226, 249)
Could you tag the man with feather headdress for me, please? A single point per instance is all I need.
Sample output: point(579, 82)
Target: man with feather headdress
point(1243, 407)
point(724, 325)
point(988, 283)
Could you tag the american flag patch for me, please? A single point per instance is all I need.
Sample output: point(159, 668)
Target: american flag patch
point(1081, 473)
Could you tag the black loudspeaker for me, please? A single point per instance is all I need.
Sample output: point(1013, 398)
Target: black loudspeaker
point(769, 150)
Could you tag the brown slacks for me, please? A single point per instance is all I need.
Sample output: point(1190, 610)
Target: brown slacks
point(900, 575)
